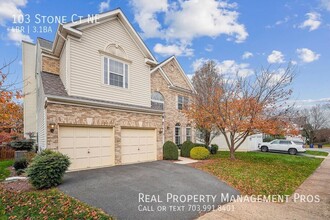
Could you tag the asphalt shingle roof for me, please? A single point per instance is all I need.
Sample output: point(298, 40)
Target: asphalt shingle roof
point(45, 43)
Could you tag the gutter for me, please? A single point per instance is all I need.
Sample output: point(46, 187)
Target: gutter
point(69, 100)
point(180, 89)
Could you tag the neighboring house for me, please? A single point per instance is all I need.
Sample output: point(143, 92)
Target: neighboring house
point(249, 144)
point(97, 94)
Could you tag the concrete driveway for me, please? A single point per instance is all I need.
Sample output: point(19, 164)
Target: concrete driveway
point(154, 190)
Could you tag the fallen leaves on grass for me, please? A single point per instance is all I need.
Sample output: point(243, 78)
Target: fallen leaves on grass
point(254, 173)
point(45, 204)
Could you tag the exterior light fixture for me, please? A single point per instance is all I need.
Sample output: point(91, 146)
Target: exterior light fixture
point(52, 127)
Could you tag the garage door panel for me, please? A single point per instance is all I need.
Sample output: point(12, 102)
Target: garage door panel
point(68, 151)
point(105, 151)
point(106, 161)
point(67, 132)
point(138, 145)
point(95, 162)
point(95, 142)
point(67, 142)
point(81, 132)
point(80, 163)
point(81, 142)
point(95, 152)
point(104, 141)
point(87, 147)
point(127, 140)
point(129, 150)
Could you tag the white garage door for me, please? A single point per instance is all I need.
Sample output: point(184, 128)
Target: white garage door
point(138, 145)
point(87, 147)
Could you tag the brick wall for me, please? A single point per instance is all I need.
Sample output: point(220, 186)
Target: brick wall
point(172, 71)
point(88, 116)
point(50, 65)
point(172, 114)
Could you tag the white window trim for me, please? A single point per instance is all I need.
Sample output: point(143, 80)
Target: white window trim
point(124, 78)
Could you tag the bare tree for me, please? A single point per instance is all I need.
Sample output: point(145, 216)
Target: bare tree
point(240, 106)
point(312, 121)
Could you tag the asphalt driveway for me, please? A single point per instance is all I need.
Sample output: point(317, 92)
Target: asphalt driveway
point(154, 190)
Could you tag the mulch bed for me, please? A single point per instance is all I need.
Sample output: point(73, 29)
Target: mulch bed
point(17, 186)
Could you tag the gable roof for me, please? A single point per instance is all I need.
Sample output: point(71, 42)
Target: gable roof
point(75, 28)
point(163, 63)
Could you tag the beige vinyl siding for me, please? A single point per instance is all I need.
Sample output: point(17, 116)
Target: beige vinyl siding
point(86, 71)
point(41, 117)
point(29, 89)
point(63, 68)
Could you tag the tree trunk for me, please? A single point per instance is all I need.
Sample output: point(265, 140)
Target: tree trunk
point(207, 137)
point(232, 153)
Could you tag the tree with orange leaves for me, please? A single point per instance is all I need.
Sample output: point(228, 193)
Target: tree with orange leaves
point(11, 112)
point(238, 106)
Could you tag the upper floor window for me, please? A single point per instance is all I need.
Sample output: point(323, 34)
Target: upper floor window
point(182, 101)
point(115, 73)
point(157, 101)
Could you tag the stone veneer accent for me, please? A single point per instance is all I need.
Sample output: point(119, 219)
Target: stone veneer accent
point(63, 115)
point(172, 114)
point(50, 65)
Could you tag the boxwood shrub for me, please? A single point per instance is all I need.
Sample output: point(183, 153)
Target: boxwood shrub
point(47, 169)
point(170, 151)
point(186, 148)
point(199, 153)
point(214, 148)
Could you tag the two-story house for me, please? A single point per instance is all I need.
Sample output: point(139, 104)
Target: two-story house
point(97, 94)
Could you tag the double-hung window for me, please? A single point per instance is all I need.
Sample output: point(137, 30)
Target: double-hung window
point(115, 73)
point(182, 101)
point(177, 134)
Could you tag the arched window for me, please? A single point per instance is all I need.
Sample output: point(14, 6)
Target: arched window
point(157, 101)
point(188, 132)
point(177, 134)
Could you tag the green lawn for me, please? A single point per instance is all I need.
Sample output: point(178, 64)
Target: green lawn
point(4, 172)
point(316, 153)
point(45, 204)
point(256, 173)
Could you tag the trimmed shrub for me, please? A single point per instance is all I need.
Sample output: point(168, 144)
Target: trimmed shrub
point(47, 169)
point(199, 153)
point(20, 164)
point(20, 172)
point(29, 156)
point(26, 144)
point(170, 151)
point(214, 149)
point(186, 148)
point(200, 145)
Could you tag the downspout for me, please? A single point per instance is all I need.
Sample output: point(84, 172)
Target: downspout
point(163, 124)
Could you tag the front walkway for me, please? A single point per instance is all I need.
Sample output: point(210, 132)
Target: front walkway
point(317, 185)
